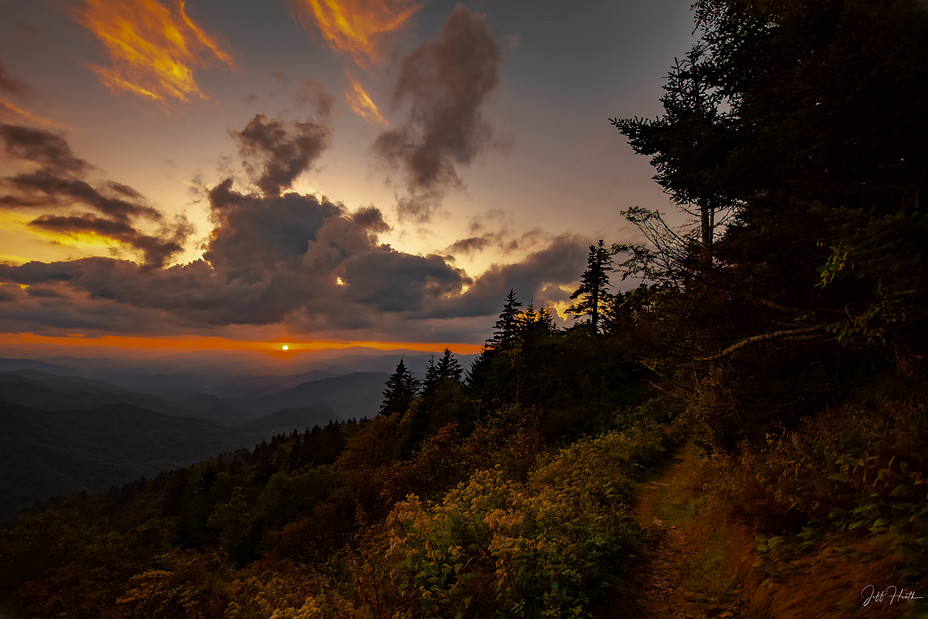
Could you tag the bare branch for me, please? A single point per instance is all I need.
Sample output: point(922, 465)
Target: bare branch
point(764, 337)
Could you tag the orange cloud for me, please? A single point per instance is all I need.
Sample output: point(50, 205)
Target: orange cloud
point(154, 48)
point(353, 26)
point(4, 104)
point(362, 104)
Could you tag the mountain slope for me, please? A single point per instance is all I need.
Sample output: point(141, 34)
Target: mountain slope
point(351, 396)
point(45, 453)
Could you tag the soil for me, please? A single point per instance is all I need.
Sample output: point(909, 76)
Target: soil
point(659, 585)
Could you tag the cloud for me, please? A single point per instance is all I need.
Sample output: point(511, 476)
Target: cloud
point(74, 208)
point(156, 250)
point(311, 93)
point(14, 87)
point(269, 257)
point(355, 27)
point(253, 234)
point(49, 150)
point(297, 261)
point(536, 278)
point(154, 47)
point(45, 188)
point(362, 104)
point(11, 85)
point(447, 82)
point(276, 152)
point(499, 239)
point(418, 207)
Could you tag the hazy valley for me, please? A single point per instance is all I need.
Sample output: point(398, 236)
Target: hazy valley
point(70, 424)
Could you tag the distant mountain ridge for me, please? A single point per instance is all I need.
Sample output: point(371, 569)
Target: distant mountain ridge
point(353, 395)
point(61, 434)
point(45, 453)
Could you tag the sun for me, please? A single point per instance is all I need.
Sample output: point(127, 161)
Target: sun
point(285, 347)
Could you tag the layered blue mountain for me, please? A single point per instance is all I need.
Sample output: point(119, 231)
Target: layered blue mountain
point(61, 434)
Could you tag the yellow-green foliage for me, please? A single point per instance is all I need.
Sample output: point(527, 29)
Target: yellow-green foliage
point(543, 547)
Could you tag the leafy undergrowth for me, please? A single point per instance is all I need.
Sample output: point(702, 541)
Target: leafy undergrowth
point(545, 546)
point(823, 516)
point(494, 523)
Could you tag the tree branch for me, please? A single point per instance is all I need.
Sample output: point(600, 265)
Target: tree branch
point(764, 337)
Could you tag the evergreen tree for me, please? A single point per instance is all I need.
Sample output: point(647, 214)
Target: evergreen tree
point(401, 389)
point(438, 404)
point(593, 293)
point(810, 118)
point(536, 322)
point(449, 368)
point(689, 142)
point(507, 326)
point(431, 376)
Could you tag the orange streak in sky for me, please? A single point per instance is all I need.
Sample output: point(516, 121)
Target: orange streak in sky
point(362, 104)
point(206, 343)
point(153, 48)
point(38, 119)
point(352, 26)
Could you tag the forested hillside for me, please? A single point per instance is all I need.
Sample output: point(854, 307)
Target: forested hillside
point(780, 334)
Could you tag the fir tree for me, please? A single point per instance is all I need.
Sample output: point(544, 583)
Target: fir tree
point(448, 367)
point(535, 323)
point(593, 293)
point(401, 389)
point(507, 326)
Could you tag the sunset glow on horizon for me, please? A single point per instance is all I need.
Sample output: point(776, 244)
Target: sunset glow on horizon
point(134, 344)
point(318, 174)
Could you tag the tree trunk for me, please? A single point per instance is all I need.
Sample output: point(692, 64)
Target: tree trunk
point(706, 228)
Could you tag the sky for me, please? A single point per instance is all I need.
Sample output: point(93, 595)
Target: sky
point(307, 171)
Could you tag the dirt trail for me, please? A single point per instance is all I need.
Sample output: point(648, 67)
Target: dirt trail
point(659, 584)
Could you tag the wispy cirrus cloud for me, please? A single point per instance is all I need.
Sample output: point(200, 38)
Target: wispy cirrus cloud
point(10, 84)
point(154, 47)
point(355, 27)
point(362, 104)
point(12, 87)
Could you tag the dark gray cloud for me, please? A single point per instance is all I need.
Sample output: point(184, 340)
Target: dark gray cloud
point(498, 240)
point(446, 82)
point(47, 149)
point(46, 189)
point(156, 250)
point(275, 152)
point(293, 260)
point(470, 245)
point(59, 189)
point(535, 278)
point(419, 206)
point(253, 232)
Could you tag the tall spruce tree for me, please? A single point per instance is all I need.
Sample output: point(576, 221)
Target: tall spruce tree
point(401, 389)
point(448, 367)
point(593, 293)
point(810, 119)
point(689, 142)
point(507, 326)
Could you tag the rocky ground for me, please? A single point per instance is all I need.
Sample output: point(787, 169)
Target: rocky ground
point(662, 584)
